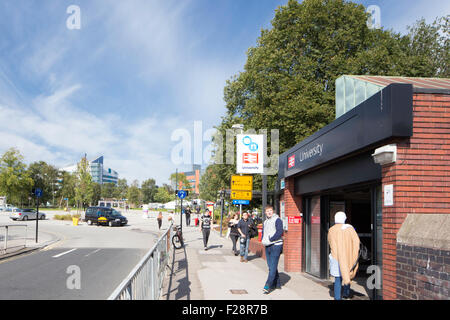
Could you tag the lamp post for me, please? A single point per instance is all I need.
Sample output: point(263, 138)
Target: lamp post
point(240, 127)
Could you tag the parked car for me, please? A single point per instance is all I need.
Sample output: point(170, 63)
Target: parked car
point(104, 216)
point(25, 214)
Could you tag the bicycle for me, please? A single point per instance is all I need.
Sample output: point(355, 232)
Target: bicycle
point(177, 238)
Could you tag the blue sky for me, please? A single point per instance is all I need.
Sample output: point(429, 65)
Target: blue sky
point(135, 72)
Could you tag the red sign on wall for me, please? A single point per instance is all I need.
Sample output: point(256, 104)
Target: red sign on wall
point(291, 161)
point(315, 220)
point(295, 220)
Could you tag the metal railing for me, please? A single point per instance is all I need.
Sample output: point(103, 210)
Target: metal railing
point(145, 281)
point(12, 237)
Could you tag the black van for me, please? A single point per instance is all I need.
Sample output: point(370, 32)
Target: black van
point(104, 216)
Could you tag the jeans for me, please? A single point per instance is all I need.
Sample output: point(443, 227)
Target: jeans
point(337, 288)
point(188, 220)
point(234, 239)
point(273, 253)
point(244, 247)
point(205, 236)
point(159, 223)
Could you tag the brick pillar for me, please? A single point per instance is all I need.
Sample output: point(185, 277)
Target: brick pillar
point(292, 248)
point(420, 176)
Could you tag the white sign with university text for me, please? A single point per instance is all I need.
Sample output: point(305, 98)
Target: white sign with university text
point(250, 153)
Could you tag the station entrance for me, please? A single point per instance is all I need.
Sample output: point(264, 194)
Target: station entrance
point(362, 205)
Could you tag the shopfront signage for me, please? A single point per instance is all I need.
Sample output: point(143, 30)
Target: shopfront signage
point(294, 220)
point(385, 115)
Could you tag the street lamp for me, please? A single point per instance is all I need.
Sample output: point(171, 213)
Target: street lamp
point(240, 127)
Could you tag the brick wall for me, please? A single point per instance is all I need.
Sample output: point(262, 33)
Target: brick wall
point(293, 238)
point(422, 273)
point(421, 177)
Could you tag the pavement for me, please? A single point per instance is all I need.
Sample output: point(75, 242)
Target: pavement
point(217, 274)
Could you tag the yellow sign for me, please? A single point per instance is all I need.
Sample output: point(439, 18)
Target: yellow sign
point(241, 195)
point(242, 183)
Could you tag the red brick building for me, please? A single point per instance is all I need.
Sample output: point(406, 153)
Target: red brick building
point(385, 161)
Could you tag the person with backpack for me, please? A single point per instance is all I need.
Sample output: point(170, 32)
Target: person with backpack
point(272, 240)
point(205, 227)
point(243, 228)
point(344, 244)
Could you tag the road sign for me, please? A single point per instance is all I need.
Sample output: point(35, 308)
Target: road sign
point(38, 192)
point(241, 195)
point(243, 202)
point(241, 183)
point(182, 194)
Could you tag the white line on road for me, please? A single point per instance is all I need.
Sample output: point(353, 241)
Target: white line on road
point(92, 252)
point(63, 253)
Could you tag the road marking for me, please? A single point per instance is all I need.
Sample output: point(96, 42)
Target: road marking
point(92, 252)
point(61, 254)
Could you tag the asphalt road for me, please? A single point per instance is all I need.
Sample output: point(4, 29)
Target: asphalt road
point(104, 256)
point(45, 274)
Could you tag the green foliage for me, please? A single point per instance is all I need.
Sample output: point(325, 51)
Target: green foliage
point(288, 81)
point(15, 181)
point(134, 194)
point(84, 190)
point(149, 189)
point(45, 177)
point(163, 196)
point(66, 217)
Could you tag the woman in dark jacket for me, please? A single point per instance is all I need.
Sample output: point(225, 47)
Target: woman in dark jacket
point(234, 233)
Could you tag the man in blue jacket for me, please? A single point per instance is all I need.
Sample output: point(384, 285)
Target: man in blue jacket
point(272, 240)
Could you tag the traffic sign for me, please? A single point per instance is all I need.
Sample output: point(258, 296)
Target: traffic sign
point(38, 192)
point(182, 194)
point(241, 195)
point(241, 183)
point(244, 202)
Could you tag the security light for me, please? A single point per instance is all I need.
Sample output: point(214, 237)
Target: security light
point(386, 154)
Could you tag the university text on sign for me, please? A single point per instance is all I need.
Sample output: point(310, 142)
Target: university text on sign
point(250, 153)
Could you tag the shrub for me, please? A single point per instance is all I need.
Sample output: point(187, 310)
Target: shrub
point(66, 216)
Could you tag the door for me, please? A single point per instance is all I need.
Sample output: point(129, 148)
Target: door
point(377, 240)
point(313, 236)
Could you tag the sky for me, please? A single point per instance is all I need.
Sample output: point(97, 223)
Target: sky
point(134, 74)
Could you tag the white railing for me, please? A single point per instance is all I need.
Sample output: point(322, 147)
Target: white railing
point(12, 237)
point(145, 281)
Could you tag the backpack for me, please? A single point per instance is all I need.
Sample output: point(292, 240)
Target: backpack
point(252, 231)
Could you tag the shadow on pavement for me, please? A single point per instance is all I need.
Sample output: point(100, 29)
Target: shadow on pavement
point(179, 272)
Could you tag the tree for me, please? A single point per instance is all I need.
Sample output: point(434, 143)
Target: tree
point(163, 196)
point(149, 189)
point(180, 180)
point(84, 186)
point(96, 193)
point(288, 81)
point(45, 177)
point(135, 194)
point(108, 190)
point(15, 182)
point(121, 190)
point(66, 190)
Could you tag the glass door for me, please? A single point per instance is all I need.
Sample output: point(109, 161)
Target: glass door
point(313, 236)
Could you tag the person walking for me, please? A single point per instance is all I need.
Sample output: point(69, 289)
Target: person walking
point(272, 240)
point(159, 219)
point(187, 212)
point(344, 244)
point(234, 233)
point(243, 228)
point(205, 227)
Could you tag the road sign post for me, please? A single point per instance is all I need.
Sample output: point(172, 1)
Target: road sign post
point(38, 194)
point(182, 194)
